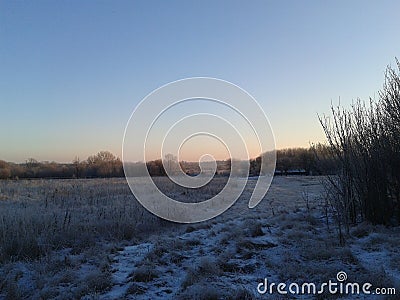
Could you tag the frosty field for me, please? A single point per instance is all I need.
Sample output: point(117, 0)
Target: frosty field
point(90, 239)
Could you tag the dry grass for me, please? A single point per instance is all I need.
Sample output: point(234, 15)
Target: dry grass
point(63, 237)
point(40, 216)
point(144, 273)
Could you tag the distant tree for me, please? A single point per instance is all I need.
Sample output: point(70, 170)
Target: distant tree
point(255, 166)
point(156, 168)
point(77, 166)
point(31, 163)
point(5, 171)
point(171, 164)
point(32, 167)
point(17, 170)
point(104, 164)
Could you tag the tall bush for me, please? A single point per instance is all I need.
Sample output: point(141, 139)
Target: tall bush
point(364, 140)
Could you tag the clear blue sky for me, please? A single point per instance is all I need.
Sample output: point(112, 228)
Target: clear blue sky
point(71, 72)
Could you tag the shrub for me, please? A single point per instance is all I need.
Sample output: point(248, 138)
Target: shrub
point(365, 143)
point(144, 273)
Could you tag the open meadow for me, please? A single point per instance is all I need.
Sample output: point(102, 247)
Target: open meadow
point(91, 239)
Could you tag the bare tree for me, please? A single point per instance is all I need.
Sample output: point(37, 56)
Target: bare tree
point(77, 165)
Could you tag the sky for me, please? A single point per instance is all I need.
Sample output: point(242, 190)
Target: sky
point(71, 72)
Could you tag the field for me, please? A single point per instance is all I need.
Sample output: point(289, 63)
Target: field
point(90, 239)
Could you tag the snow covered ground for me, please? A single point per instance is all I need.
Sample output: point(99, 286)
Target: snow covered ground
point(287, 238)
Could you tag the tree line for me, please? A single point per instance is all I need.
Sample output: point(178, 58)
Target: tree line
point(102, 164)
point(314, 160)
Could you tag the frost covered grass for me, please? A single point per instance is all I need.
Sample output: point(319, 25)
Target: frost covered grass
point(110, 248)
point(40, 216)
